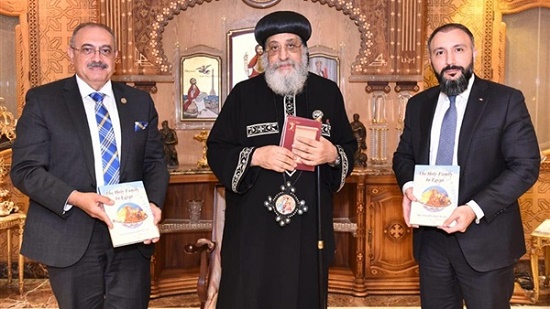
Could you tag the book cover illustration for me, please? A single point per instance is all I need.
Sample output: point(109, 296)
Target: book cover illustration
point(131, 214)
point(295, 126)
point(436, 188)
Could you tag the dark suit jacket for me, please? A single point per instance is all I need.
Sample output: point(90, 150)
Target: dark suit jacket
point(499, 160)
point(52, 156)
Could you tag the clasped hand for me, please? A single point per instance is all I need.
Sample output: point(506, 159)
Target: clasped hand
point(304, 150)
point(93, 204)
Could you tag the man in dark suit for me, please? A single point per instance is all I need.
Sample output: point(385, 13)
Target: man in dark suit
point(57, 162)
point(471, 256)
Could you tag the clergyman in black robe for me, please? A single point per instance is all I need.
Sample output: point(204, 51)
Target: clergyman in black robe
point(270, 258)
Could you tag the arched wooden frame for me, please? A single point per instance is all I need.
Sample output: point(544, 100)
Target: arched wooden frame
point(19, 9)
point(390, 32)
point(499, 31)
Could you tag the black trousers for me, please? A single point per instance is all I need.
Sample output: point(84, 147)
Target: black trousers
point(105, 277)
point(447, 281)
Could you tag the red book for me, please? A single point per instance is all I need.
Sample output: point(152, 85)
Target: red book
point(298, 126)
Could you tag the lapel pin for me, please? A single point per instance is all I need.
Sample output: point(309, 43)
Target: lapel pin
point(480, 99)
point(123, 101)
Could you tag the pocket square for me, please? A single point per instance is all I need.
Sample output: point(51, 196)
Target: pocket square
point(140, 125)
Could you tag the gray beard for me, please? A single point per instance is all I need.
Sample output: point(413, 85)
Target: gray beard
point(290, 83)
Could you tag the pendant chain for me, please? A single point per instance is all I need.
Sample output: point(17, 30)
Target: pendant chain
point(294, 182)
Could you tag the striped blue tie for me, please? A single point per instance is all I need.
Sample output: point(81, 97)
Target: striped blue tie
point(109, 153)
point(445, 151)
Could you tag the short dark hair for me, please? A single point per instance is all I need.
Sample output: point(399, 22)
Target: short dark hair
point(449, 27)
point(91, 25)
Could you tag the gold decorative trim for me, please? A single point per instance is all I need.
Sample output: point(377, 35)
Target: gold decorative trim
point(516, 6)
point(34, 50)
point(7, 124)
point(406, 86)
point(498, 34)
point(19, 9)
point(374, 86)
point(261, 4)
point(488, 15)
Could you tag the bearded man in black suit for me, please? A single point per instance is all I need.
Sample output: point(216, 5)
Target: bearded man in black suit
point(470, 258)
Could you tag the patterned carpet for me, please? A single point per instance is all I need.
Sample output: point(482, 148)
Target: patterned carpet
point(513, 307)
point(38, 295)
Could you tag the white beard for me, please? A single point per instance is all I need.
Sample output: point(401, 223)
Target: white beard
point(290, 83)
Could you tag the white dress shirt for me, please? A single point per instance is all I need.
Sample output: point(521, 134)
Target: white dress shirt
point(89, 106)
point(442, 106)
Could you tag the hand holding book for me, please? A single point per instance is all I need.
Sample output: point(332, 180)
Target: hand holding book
point(408, 199)
point(436, 188)
point(92, 204)
point(134, 218)
point(157, 216)
point(275, 158)
point(296, 127)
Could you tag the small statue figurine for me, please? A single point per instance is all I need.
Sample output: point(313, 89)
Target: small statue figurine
point(170, 140)
point(201, 137)
point(360, 133)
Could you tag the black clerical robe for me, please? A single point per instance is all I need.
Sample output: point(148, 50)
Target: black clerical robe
point(265, 265)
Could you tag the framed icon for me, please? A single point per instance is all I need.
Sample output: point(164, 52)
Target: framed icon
point(244, 56)
point(199, 87)
point(324, 62)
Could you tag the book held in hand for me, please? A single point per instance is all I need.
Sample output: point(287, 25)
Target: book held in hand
point(436, 188)
point(131, 214)
point(295, 126)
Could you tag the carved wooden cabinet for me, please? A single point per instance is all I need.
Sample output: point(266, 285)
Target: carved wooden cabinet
point(174, 272)
point(373, 245)
point(390, 267)
point(347, 269)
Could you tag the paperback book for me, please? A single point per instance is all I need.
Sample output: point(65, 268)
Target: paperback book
point(295, 126)
point(436, 188)
point(131, 214)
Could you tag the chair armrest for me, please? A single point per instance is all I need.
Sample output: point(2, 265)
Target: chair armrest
point(203, 247)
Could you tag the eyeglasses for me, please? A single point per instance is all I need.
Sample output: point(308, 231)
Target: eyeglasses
point(276, 48)
point(88, 50)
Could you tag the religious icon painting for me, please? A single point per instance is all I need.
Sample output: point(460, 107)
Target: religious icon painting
point(244, 55)
point(200, 87)
point(285, 204)
point(324, 66)
point(324, 62)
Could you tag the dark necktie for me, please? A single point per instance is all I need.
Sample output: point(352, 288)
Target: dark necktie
point(109, 152)
point(445, 150)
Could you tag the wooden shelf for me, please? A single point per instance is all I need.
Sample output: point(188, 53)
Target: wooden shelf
point(175, 281)
point(345, 225)
point(184, 225)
